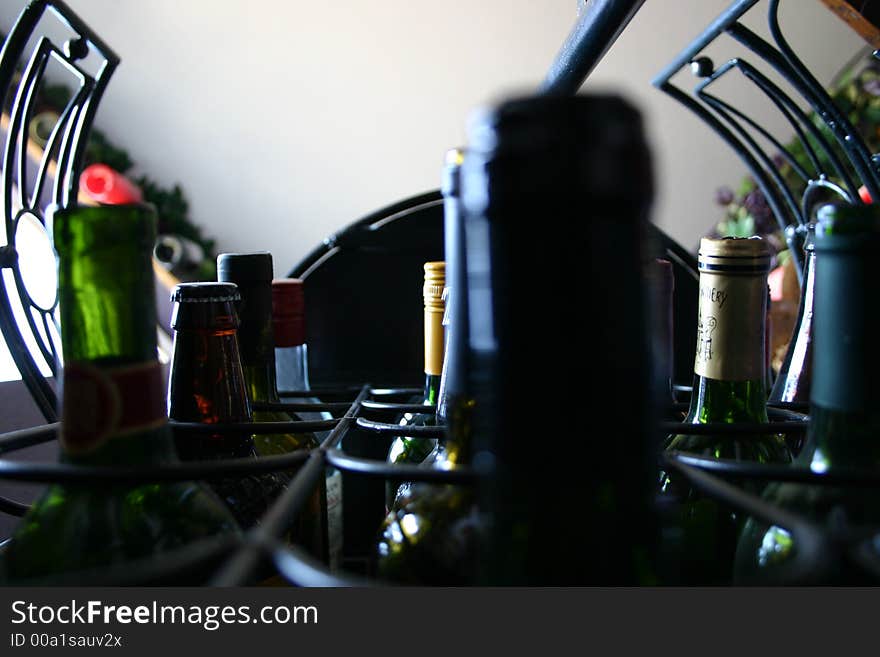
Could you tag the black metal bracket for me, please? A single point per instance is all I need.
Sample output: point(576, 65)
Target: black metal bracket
point(838, 165)
point(60, 160)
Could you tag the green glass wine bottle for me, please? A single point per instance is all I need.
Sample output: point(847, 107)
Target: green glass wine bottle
point(434, 534)
point(253, 273)
point(844, 426)
point(292, 368)
point(729, 387)
point(206, 384)
point(413, 450)
point(113, 408)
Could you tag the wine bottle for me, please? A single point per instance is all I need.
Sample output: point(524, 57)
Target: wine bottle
point(434, 534)
point(206, 384)
point(844, 408)
point(729, 387)
point(556, 192)
point(112, 409)
point(406, 449)
point(179, 255)
point(292, 367)
point(453, 386)
point(793, 381)
point(253, 273)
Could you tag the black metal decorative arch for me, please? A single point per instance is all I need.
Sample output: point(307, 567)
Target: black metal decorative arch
point(839, 165)
point(60, 160)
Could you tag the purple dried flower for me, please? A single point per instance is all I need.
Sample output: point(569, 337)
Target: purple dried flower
point(756, 205)
point(724, 196)
point(872, 86)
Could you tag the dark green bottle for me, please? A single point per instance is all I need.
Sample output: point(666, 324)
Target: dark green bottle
point(113, 408)
point(206, 384)
point(434, 535)
point(729, 387)
point(406, 449)
point(844, 429)
point(253, 273)
point(556, 193)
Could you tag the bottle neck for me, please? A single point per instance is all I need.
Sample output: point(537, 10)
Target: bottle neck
point(793, 382)
point(206, 384)
point(844, 396)
point(292, 368)
point(730, 363)
point(113, 402)
point(261, 382)
point(727, 401)
point(431, 393)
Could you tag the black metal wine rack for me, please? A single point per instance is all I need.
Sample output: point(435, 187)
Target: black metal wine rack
point(365, 413)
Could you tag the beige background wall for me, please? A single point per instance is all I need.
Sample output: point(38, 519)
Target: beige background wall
point(285, 120)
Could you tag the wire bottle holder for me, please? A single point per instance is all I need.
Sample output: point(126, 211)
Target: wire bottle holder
point(233, 561)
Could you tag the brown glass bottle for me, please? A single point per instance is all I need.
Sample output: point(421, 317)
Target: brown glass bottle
point(206, 384)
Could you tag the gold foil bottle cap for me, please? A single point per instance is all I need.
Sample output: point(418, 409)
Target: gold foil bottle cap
point(435, 282)
point(734, 255)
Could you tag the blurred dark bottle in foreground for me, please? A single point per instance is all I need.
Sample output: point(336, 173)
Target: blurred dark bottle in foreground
point(112, 410)
point(409, 449)
point(253, 274)
point(206, 384)
point(556, 192)
point(729, 387)
point(844, 418)
point(292, 370)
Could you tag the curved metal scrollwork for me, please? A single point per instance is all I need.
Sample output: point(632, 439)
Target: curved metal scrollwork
point(837, 166)
point(27, 257)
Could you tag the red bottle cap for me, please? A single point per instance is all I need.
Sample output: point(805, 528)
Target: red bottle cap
point(288, 312)
point(109, 187)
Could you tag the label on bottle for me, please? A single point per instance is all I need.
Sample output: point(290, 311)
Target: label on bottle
point(102, 403)
point(730, 327)
point(334, 519)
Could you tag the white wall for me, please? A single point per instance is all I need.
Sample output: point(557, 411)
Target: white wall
point(284, 120)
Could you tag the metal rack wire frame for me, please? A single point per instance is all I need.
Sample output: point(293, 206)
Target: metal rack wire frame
point(63, 151)
point(742, 133)
point(225, 562)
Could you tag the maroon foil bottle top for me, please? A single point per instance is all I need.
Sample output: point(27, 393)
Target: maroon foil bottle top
point(288, 312)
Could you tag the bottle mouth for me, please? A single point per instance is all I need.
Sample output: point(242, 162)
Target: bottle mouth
point(245, 267)
point(734, 255)
point(843, 227)
point(205, 292)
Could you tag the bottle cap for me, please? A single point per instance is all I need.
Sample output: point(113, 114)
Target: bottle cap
point(844, 227)
point(596, 142)
point(245, 267)
point(205, 292)
point(734, 255)
point(435, 281)
point(288, 312)
point(451, 182)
